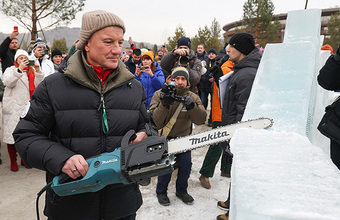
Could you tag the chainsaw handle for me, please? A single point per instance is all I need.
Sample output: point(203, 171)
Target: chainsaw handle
point(129, 137)
point(63, 178)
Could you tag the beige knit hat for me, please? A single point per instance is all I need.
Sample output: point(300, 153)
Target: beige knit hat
point(93, 21)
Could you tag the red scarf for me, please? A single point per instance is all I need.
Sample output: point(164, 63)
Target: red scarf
point(31, 76)
point(99, 71)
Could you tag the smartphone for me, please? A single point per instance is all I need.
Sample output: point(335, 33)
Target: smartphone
point(31, 63)
point(16, 28)
point(124, 53)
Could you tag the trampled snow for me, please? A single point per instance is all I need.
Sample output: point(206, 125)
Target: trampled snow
point(282, 176)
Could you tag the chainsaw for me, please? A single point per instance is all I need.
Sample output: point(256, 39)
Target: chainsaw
point(138, 162)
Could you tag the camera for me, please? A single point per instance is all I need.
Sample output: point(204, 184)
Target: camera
point(169, 90)
point(183, 60)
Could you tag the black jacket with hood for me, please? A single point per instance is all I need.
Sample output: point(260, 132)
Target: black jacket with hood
point(65, 118)
point(239, 87)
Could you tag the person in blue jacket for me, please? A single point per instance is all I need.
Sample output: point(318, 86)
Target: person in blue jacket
point(150, 74)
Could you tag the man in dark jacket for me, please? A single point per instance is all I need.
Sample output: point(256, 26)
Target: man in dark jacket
point(83, 112)
point(183, 56)
point(7, 50)
point(134, 60)
point(200, 53)
point(246, 58)
point(329, 79)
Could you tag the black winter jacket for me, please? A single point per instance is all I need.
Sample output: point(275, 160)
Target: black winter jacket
point(239, 87)
point(65, 118)
point(205, 84)
point(6, 54)
point(131, 65)
point(329, 77)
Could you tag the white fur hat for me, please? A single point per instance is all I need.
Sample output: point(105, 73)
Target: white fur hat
point(20, 52)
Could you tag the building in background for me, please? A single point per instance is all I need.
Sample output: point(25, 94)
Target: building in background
point(230, 28)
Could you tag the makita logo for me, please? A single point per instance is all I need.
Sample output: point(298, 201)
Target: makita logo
point(209, 137)
point(109, 161)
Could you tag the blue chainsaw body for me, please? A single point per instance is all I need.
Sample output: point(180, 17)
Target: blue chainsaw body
point(130, 163)
point(104, 170)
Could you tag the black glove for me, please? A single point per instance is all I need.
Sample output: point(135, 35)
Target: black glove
point(337, 55)
point(166, 102)
point(188, 102)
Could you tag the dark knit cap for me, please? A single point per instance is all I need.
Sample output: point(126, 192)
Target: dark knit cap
point(56, 52)
point(180, 71)
point(184, 41)
point(243, 42)
point(212, 50)
point(38, 43)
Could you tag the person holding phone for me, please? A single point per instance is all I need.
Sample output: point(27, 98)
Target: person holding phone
point(20, 81)
point(40, 54)
point(8, 48)
point(150, 74)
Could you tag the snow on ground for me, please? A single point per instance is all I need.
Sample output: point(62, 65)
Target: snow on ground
point(205, 204)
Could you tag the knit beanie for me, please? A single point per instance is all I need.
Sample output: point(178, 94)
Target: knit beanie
point(20, 52)
point(38, 43)
point(184, 41)
point(56, 52)
point(149, 54)
point(180, 71)
point(243, 42)
point(212, 50)
point(93, 21)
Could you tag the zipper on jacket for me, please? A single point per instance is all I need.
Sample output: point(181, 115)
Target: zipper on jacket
point(105, 124)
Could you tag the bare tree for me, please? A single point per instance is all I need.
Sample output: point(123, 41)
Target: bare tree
point(30, 12)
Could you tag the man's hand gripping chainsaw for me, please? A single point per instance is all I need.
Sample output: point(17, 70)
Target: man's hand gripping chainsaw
point(138, 162)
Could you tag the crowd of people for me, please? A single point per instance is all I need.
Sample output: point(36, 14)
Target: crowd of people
point(59, 109)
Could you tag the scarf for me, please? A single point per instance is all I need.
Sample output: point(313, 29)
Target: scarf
point(31, 76)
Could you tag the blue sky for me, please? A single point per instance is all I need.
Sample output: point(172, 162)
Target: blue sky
point(154, 21)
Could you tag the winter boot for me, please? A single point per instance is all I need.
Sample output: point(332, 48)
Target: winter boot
point(223, 205)
point(223, 217)
point(205, 182)
point(13, 157)
point(23, 164)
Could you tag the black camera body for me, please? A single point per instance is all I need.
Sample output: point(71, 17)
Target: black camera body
point(184, 60)
point(169, 89)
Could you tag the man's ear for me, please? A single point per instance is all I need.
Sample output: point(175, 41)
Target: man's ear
point(86, 47)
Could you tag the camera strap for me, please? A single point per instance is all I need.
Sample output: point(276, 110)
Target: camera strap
point(167, 128)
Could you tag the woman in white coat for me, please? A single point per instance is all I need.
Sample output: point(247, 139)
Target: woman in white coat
point(20, 82)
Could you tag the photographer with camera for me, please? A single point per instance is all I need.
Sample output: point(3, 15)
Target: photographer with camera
point(183, 56)
point(40, 54)
point(164, 104)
